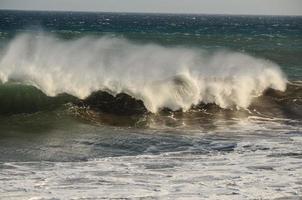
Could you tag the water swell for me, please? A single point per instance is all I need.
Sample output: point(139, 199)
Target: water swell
point(152, 77)
point(17, 98)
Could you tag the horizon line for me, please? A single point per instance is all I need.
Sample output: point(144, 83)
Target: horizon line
point(149, 12)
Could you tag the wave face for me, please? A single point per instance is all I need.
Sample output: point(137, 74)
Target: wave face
point(161, 77)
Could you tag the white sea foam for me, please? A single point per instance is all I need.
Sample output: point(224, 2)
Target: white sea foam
point(171, 77)
point(256, 169)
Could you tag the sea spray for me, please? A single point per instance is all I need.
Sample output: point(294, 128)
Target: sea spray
point(162, 77)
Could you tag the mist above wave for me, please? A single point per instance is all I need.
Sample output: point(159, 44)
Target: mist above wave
point(161, 77)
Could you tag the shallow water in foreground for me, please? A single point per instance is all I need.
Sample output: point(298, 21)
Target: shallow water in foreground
point(67, 157)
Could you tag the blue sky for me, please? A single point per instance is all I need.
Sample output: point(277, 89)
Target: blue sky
point(266, 7)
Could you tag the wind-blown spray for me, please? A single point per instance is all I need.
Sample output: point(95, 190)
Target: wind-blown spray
point(173, 77)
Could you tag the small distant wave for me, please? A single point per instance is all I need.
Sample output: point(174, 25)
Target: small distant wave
point(139, 77)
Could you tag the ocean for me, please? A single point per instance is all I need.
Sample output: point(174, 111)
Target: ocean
point(150, 106)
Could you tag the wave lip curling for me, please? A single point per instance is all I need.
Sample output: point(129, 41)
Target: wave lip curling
point(162, 77)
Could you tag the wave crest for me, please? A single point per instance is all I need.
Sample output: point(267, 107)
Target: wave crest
point(162, 77)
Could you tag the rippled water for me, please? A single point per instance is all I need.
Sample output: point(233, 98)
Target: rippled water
point(247, 158)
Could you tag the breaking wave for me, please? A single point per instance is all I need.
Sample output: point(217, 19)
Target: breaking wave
point(158, 77)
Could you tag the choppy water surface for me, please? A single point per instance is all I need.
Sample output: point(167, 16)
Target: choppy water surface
point(247, 158)
point(137, 106)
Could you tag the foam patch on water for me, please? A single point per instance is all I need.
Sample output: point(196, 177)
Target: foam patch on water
point(255, 158)
point(256, 169)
